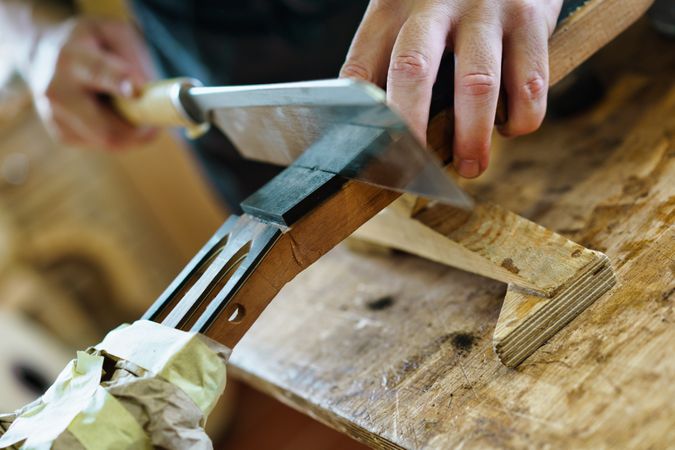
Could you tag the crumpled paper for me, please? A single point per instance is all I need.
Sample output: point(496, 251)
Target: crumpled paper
point(145, 385)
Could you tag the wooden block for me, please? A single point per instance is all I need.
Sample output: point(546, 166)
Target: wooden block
point(489, 241)
point(551, 279)
point(527, 321)
point(228, 284)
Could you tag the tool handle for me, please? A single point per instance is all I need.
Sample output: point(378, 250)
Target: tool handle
point(159, 104)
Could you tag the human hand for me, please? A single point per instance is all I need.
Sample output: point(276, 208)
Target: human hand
point(399, 44)
point(76, 64)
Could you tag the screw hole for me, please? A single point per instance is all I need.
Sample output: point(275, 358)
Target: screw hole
point(238, 313)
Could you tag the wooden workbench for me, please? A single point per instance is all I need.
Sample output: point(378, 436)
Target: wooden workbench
point(396, 351)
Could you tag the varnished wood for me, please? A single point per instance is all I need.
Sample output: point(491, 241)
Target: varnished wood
point(396, 351)
point(589, 29)
point(297, 248)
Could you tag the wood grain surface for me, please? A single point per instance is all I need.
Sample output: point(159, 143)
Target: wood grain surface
point(550, 279)
point(396, 351)
point(488, 240)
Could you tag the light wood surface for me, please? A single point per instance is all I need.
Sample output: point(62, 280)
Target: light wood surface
point(396, 350)
point(489, 241)
point(550, 278)
point(589, 29)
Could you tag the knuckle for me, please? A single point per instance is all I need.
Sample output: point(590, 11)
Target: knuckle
point(523, 12)
point(533, 89)
point(96, 72)
point(410, 65)
point(524, 8)
point(353, 69)
point(104, 77)
point(478, 84)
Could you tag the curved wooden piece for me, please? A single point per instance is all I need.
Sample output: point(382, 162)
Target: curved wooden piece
point(228, 284)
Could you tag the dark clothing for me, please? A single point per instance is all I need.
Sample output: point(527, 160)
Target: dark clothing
point(224, 42)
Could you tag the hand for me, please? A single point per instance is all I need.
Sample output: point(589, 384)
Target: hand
point(400, 44)
point(76, 64)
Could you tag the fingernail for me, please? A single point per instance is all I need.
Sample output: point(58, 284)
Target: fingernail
point(127, 88)
point(468, 168)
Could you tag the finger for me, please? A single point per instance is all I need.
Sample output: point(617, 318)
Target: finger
point(368, 56)
point(478, 48)
point(414, 65)
point(71, 128)
point(123, 40)
point(525, 76)
point(118, 133)
point(96, 125)
point(101, 72)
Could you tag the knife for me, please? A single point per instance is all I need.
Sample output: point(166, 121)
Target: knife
point(341, 126)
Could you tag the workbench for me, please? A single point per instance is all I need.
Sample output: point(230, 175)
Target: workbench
point(396, 351)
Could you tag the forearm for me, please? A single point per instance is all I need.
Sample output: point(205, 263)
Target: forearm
point(24, 22)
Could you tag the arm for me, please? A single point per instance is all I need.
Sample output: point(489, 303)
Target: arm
point(70, 64)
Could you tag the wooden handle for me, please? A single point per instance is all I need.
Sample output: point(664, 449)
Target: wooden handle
point(160, 105)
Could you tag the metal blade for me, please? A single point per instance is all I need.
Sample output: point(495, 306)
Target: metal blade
point(338, 126)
